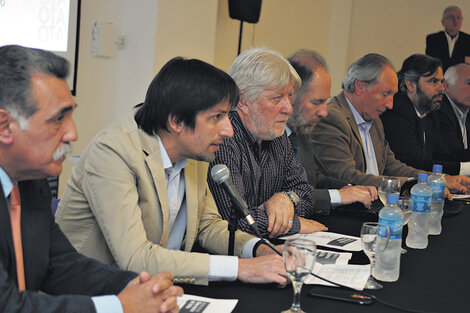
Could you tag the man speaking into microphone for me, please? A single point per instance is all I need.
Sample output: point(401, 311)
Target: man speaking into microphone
point(259, 156)
point(138, 198)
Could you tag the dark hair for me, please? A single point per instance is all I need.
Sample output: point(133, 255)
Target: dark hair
point(17, 66)
point(416, 66)
point(181, 90)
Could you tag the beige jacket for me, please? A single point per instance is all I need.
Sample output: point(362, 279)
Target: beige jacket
point(115, 207)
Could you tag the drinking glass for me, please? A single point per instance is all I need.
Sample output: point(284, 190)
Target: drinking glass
point(369, 236)
point(299, 258)
point(387, 185)
point(405, 204)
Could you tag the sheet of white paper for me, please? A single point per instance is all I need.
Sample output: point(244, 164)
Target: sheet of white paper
point(332, 240)
point(196, 304)
point(460, 196)
point(351, 275)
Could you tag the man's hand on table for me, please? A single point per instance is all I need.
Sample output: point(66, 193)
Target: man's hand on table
point(147, 293)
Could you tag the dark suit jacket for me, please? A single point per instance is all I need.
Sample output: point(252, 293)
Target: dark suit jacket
point(51, 264)
point(451, 135)
point(437, 46)
point(304, 154)
point(404, 132)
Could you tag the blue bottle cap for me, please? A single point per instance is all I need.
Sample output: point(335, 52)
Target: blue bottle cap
point(392, 198)
point(437, 168)
point(422, 177)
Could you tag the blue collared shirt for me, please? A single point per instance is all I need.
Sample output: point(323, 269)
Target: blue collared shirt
point(103, 304)
point(367, 146)
point(221, 267)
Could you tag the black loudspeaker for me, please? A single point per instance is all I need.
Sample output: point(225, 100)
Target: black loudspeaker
point(245, 10)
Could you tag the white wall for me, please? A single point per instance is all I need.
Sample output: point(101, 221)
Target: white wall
point(108, 87)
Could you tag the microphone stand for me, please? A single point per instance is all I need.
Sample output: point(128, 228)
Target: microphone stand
point(232, 228)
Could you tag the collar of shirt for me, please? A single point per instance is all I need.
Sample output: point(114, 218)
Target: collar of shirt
point(359, 120)
point(171, 169)
point(449, 37)
point(7, 184)
point(417, 113)
point(462, 116)
point(288, 131)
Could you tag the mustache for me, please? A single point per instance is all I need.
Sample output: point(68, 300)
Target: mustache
point(62, 151)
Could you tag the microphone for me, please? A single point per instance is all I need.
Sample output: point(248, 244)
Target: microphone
point(221, 175)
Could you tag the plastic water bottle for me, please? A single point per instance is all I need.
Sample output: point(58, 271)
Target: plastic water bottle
point(387, 267)
point(421, 194)
point(437, 183)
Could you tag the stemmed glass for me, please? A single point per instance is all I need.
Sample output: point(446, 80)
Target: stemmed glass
point(299, 258)
point(405, 204)
point(387, 185)
point(369, 240)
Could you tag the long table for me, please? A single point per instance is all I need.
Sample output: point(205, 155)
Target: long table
point(434, 279)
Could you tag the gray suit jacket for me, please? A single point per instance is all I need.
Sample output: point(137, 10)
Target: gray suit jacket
point(115, 207)
point(339, 151)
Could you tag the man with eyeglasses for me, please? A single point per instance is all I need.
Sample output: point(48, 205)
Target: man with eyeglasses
point(451, 46)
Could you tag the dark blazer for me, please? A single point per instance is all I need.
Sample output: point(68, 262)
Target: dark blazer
point(305, 155)
point(451, 135)
point(51, 264)
point(437, 46)
point(413, 140)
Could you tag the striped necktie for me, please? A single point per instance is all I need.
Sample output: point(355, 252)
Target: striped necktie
point(15, 218)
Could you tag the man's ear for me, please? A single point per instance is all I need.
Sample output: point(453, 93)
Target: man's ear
point(446, 86)
point(174, 125)
point(6, 133)
point(361, 87)
point(411, 86)
point(242, 107)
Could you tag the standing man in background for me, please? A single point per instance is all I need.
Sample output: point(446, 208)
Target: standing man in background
point(36, 128)
point(451, 45)
point(260, 157)
point(309, 109)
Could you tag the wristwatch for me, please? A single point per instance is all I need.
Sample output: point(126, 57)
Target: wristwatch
point(293, 197)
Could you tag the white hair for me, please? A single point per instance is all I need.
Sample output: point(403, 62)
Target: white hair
point(258, 69)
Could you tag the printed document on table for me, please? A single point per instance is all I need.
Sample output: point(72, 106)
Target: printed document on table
point(196, 304)
point(331, 257)
point(354, 276)
point(332, 240)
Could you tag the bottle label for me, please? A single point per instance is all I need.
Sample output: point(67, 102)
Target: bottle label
point(438, 191)
point(395, 227)
point(421, 204)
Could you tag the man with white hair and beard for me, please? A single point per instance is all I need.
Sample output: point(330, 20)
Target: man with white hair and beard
point(309, 109)
point(410, 128)
point(259, 156)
